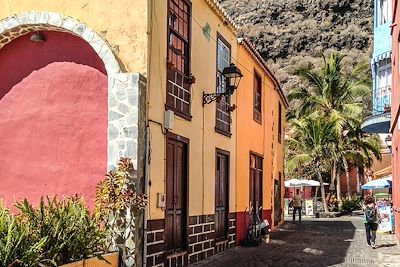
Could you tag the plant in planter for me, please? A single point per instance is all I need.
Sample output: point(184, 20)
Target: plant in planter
point(71, 233)
point(117, 205)
point(56, 232)
point(16, 245)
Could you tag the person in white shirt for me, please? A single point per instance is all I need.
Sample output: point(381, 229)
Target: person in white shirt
point(297, 201)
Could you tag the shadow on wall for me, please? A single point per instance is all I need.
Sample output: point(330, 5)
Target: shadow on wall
point(312, 243)
point(21, 57)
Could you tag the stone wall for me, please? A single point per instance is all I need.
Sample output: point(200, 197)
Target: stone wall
point(201, 241)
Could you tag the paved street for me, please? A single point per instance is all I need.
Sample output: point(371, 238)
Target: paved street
point(315, 242)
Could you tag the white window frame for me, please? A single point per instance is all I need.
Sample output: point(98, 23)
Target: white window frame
point(384, 68)
point(384, 11)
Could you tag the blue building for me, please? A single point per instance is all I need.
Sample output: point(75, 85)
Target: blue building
point(381, 67)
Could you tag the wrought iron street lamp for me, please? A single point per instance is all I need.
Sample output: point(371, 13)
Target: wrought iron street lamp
point(388, 141)
point(232, 75)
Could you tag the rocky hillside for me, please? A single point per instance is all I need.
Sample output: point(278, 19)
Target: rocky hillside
point(292, 32)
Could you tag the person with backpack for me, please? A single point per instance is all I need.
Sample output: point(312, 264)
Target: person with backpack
point(371, 220)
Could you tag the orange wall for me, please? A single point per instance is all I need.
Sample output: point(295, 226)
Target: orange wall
point(255, 137)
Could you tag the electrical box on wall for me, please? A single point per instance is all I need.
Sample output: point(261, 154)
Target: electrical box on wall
point(161, 199)
point(169, 120)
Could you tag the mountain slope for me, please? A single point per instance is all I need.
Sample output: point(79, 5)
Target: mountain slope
point(292, 32)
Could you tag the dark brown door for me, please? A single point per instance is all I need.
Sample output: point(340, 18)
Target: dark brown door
point(277, 200)
point(221, 195)
point(175, 217)
point(255, 185)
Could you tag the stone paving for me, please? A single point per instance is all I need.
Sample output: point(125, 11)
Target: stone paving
point(314, 242)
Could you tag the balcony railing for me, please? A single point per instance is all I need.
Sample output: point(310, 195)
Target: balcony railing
point(382, 100)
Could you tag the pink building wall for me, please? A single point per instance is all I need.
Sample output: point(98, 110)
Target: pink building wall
point(395, 116)
point(53, 118)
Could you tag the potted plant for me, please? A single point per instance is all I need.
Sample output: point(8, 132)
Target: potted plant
point(57, 232)
point(117, 205)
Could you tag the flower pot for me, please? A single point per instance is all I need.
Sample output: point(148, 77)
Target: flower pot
point(112, 258)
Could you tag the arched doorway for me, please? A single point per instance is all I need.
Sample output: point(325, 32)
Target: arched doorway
point(67, 111)
point(53, 117)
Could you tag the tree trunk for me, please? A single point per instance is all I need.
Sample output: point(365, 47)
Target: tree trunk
point(346, 170)
point(358, 180)
point(333, 176)
point(338, 189)
point(323, 196)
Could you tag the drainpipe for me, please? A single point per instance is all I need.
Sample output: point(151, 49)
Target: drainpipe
point(147, 156)
point(146, 185)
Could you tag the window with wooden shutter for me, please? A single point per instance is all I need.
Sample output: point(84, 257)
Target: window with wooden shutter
point(223, 114)
point(257, 101)
point(255, 186)
point(279, 123)
point(178, 67)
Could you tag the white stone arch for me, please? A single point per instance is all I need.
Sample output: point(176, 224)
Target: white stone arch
point(123, 88)
point(23, 23)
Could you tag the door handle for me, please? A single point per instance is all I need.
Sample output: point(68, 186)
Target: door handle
point(175, 199)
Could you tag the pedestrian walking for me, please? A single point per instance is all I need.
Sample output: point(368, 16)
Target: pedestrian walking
point(297, 201)
point(371, 220)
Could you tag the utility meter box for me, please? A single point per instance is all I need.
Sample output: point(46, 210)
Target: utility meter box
point(161, 199)
point(169, 119)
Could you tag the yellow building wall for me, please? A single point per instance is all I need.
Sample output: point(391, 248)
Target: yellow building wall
point(122, 23)
point(255, 137)
point(200, 130)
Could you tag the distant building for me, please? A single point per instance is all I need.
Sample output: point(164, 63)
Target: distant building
point(381, 66)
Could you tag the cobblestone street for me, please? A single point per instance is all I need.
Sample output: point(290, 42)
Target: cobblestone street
point(314, 242)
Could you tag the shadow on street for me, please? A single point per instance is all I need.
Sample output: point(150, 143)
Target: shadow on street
point(310, 243)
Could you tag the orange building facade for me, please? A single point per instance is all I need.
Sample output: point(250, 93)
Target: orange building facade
point(260, 125)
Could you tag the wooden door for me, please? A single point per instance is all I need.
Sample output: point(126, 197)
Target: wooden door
point(221, 195)
point(255, 186)
point(176, 207)
point(277, 200)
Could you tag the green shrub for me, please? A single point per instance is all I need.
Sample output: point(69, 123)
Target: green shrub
point(18, 244)
point(70, 232)
point(354, 203)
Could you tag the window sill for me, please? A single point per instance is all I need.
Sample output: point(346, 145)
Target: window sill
point(227, 134)
point(257, 120)
point(257, 116)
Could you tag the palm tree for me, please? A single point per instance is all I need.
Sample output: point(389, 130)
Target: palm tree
point(333, 96)
point(363, 148)
point(311, 143)
point(356, 149)
point(330, 91)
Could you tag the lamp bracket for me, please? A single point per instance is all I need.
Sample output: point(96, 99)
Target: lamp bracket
point(208, 98)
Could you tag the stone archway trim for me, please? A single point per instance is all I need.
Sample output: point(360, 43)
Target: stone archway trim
point(23, 23)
